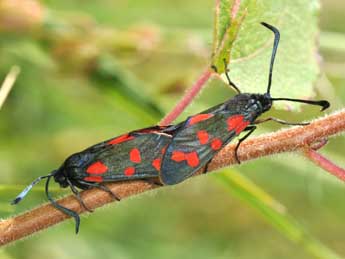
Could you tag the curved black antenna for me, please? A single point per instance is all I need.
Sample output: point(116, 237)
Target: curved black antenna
point(29, 187)
point(323, 103)
point(274, 51)
point(63, 209)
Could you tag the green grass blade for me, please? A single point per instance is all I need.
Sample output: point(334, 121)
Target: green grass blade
point(274, 213)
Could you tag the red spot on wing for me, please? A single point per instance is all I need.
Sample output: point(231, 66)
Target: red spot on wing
point(202, 136)
point(129, 171)
point(237, 123)
point(134, 155)
point(178, 156)
point(216, 144)
point(96, 179)
point(199, 117)
point(120, 139)
point(157, 164)
point(97, 168)
point(192, 159)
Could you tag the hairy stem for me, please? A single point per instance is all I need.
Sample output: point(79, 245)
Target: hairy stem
point(286, 140)
point(325, 163)
point(187, 98)
point(235, 8)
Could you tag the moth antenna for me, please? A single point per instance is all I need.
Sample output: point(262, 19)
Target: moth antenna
point(29, 187)
point(274, 51)
point(323, 103)
point(63, 209)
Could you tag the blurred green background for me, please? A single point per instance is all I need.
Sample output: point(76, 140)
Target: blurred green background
point(91, 70)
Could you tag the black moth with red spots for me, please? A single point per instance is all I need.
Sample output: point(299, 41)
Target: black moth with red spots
point(168, 153)
point(135, 155)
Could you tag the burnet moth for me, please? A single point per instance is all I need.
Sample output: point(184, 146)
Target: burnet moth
point(134, 155)
point(204, 134)
point(172, 153)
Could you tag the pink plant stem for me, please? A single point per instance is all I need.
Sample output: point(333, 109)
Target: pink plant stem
point(187, 98)
point(324, 163)
point(235, 8)
point(195, 89)
point(217, 5)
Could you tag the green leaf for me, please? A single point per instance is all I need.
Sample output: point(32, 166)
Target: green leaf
point(250, 48)
point(273, 212)
point(225, 32)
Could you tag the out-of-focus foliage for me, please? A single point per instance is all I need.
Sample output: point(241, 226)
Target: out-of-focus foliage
point(95, 69)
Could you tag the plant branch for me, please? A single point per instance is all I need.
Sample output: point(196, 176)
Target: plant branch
point(225, 45)
point(187, 98)
point(235, 8)
point(286, 140)
point(325, 163)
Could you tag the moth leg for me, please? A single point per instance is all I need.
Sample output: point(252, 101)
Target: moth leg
point(228, 77)
point(206, 166)
point(250, 130)
point(281, 121)
point(77, 195)
point(102, 187)
point(154, 181)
